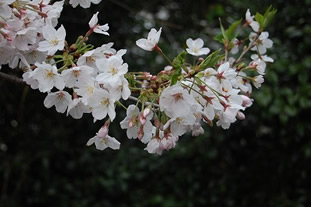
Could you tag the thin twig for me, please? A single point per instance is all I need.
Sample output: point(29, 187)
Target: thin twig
point(252, 44)
point(11, 78)
point(146, 103)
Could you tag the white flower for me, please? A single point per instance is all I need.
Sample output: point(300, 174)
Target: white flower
point(152, 40)
point(168, 142)
point(259, 63)
point(120, 90)
point(102, 140)
point(72, 75)
point(262, 43)
point(76, 108)
point(48, 77)
point(5, 9)
point(257, 81)
point(85, 88)
point(113, 71)
point(180, 125)
point(34, 84)
point(235, 48)
point(175, 101)
point(54, 40)
point(25, 38)
point(101, 29)
point(195, 47)
point(60, 99)
point(250, 21)
point(102, 104)
point(83, 3)
point(133, 124)
point(154, 146)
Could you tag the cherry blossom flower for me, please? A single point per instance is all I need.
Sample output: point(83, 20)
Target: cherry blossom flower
point(258, 80)
point(77, 108)
point(48, 77)
point(83, 3)
point(250, 21)
point(54, 40)
point(102, 104)
point(5, 10)
point(262, 43)
point(102, 140)
point(133, 125)
point(152, 40)
point(113, 70)
point(195, 47)
point(61, 100)
point(101, 29)
point(85, 88)
point(72, 75)
point(175, 101)
point(154, 146)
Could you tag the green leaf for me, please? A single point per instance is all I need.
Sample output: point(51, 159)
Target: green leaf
point(264, 20)
point(230, 32)
point(268, 16)
point(228, 35)
point(180, 59)
point(211, 60)
point(177, 64)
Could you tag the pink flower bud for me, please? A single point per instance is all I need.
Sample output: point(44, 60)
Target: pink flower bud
point(201, 59)
point(141, 132)
point(253, 64)
point(146, 112)
point(131, 123)
point(247, 102)
point(142, 119)
point(240, 115)
point(103, 132)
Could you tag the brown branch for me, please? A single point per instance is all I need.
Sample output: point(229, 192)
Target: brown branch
point(11, 78)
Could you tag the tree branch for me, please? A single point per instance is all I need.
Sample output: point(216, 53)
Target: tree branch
point(11, 78)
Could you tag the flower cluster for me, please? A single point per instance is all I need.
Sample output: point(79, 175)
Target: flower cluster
point(27, 33)
point(179, 99)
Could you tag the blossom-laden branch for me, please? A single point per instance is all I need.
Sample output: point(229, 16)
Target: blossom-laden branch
point(81, 78)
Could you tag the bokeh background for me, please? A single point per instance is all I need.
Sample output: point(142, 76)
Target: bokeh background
point(262, 161)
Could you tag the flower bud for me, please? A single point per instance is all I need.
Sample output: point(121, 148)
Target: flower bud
point(141, 132)
point(247, 102)
point(240, 115)
point(146, 112)
point(142, 119)
point(103, 132)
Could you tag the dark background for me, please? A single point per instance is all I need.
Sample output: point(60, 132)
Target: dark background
point(262, 161)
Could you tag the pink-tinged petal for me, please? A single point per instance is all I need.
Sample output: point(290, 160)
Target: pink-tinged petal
point(100, 144)
point(93, 20)
point(113, 143)
point(91, 141)
point(49, 100)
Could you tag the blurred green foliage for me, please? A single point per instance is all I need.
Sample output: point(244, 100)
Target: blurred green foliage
point(263, 161)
